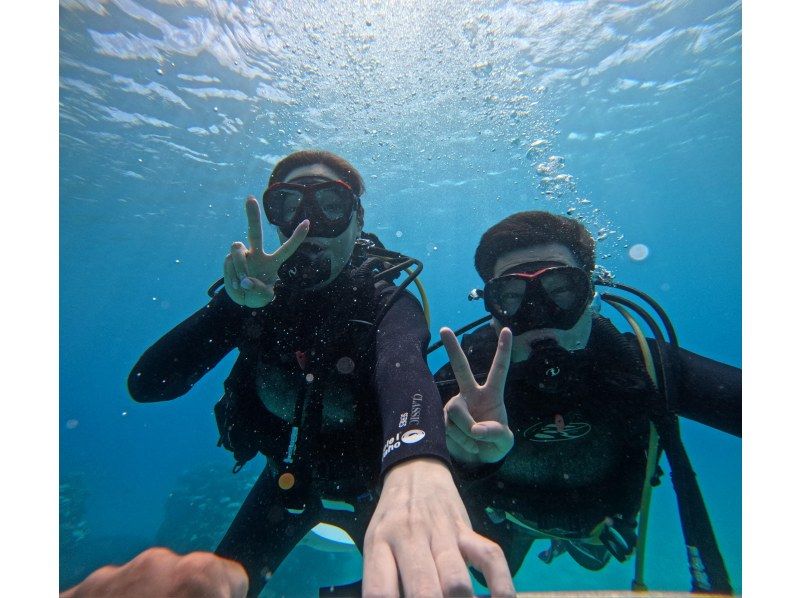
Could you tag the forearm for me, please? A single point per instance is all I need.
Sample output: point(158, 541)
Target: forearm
point(709, 392)
point(411, 410)
point(172, 365)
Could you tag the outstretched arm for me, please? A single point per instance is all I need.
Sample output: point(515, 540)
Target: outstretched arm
point(708, 391)
point(420, 533)
point(171, 366)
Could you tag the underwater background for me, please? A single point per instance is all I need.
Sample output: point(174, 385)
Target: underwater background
point(624, 114)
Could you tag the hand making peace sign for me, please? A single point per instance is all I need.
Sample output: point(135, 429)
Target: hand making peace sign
point(477, 423)
point(250, 274)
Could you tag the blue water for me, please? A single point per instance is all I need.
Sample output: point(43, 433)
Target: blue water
point(173, 112)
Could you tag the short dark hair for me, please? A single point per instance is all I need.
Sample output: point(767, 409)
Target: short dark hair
point(339, 165)
point(525, 229)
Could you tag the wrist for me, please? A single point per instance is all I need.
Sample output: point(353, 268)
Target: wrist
point(425, 469)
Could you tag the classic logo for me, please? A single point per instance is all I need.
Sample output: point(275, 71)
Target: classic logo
point(416, 408)
point(412, 436)
point(556, 432)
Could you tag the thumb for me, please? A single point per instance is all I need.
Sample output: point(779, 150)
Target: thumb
point(458, 414)
point(492, 431)
point(254, 285)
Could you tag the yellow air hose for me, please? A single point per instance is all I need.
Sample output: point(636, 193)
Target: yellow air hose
point(424, 296)
point(638, 584)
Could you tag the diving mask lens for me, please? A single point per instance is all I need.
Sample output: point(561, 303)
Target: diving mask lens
point(334, 203)
point(508, 297)
point(282, 205)
point(565, 287)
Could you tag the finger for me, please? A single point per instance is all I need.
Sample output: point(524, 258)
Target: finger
point(97, 583)
point(206, 574)
point(496, 379)
point(458, 361)
point(230, 278)
point(380, 572)
point(488, 558)
point(261, 289)
point(237, 580)
point(417, 568)
point(493, 432)
point(254, 234)
point(461, 440)
point(239, 259)
point(459, 416)
point(285, 251)
point(452, 570)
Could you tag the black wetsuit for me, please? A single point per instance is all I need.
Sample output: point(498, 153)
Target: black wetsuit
point(380, 403)
point(580, 424)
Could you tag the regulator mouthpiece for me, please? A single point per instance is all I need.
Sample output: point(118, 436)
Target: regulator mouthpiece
point(308, 267)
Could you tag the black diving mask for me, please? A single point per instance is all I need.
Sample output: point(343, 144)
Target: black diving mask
point(328, 205)
point(537, 296)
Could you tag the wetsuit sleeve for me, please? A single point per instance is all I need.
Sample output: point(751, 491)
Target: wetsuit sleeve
point(170, 367)
point(410, 407)
point(709, 392)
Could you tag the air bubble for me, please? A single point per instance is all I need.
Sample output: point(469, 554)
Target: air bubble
point(345, 365)
point(638, 252)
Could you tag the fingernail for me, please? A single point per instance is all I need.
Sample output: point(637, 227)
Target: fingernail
point(246, 283)
point(479, 431)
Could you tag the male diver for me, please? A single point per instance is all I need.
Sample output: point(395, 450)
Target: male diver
point(549, 431)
